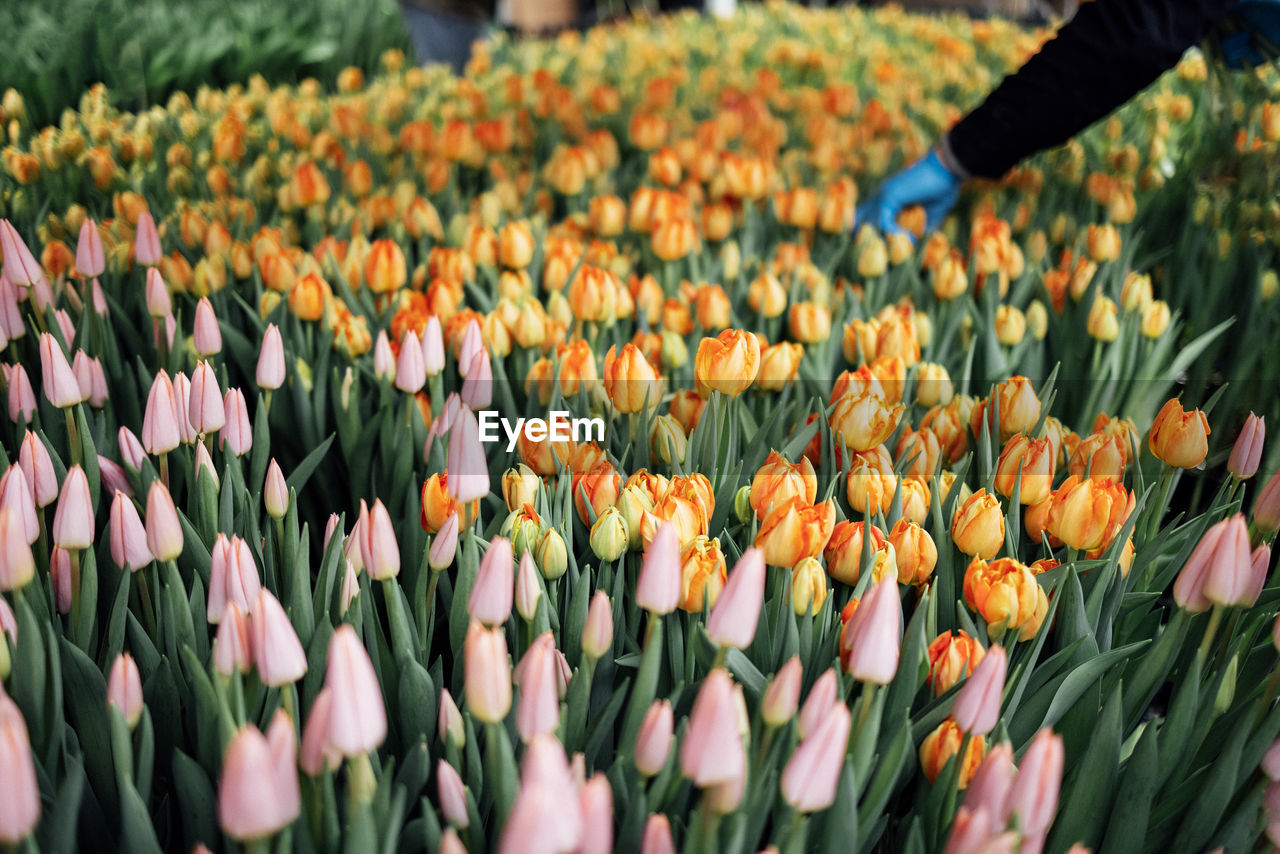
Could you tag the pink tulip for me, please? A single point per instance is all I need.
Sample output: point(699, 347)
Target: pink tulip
point(129, 550)
point(159, 302)
point(182, 402)
point(350, 586)
point(989, 788)
point(90, 259)
point(1219, 570)
point(539, 708)
point(98, 391)
point(444, 545)
point(528, 590)
point(1266, 509)
point(73, 521)
point(453, 795)
point(597, 632)
point(17, 566)
point(812, 773)
point(22, 397)
point(317, 754)
point(275, 492)
point(449, 723)
point(536, 824)
point(131, 450)
point(160, 422)
point(61, 388)
point(732, 622)
point(1247, 451)
point(384, 360)
point(544, 764)
point(653, 741)
point(331, 527)
point(595, 799)
point(205, 409)
point(98, 298)
point(15, 494)
point(488, 673)
point(124, 689)
point(657, 836)
point(472, 343)
point(12, 326)
point(873, 636)
point(411, 376)
point(258, 795)
point(8, 623)
point(113, 477)
point(146, 245)
point(490, 599)
point(467, 467)
point(277, 652)
point(351, 547)
point(1033, 797)
point(432, 347)
point(62, 317)
point(977, 706)
point(477, 388)
point(20, 266)
point(778, 706)
point(236, 433)
point(83, 373)
point(658, 587)
point(164, 531)
point(1271, 761)
point(975, 832)
point(1259, 568)
point(378, 548)
point(270, 373)
point(358, 721)
point(232, 647)
point(712, 750)
point(233, 577)
point(205, 466)
point(60, 580)
point(450, 843)
point(20, 806)
point(206, 337)
point(822, 696)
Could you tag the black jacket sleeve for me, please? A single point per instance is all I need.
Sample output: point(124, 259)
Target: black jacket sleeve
point(1107, 53)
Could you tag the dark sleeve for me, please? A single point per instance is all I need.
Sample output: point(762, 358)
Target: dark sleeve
point(1106, 54)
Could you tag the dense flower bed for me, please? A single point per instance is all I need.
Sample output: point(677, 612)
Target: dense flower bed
point(898, 542)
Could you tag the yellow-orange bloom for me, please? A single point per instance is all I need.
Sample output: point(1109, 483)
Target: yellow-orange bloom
point(1087, 514)
point(309, 297)
point(674, 238)
point(309, 186)
point(810, 322)
point(727, 363)
point(1099, 455)
point(515, 245)
point(942, 744)
point(843, 553)
point(438, 505)
point(598, 488)
point(1006, 594)
point(915, 552)
point(702, 574)
point(779, 365)
point(384, 268)
point(978, 525)
point(795, 530)
point(1178, 437)
point(778, 481)
point(1035, 459)
point(864, 420)
point(871, 483)
point(630, 381)
point(952, 657)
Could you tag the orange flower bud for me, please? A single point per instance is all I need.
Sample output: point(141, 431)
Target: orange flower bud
point(438, 505)
point(915, 499)
point(309, 297)
point(515, 245)
point(779, 365)
point(810, 322)
point(1087, 514)
point(702, 574)
point(795, 530)
point(1099, 455)
point(778, 481)
point(843, 552)
point(608, 215)
point(863, 420)
point(630, 381)
point(712, 308)
point(767, 296)
point(942, 744)
point(1179, 438)
point(1029, 462)
point(598, 488)
point(952, 657)
point(674, 238)
point(727, 363)
point(1019, 406)
point(978, 525)
point(308, 186)
point(1006, 594)
point(384, 268)
point(872, 483)
point(922, 448)
point(914, 551)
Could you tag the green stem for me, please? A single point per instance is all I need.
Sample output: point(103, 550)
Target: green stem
point(148, 609)
point(73, 436)
point(1215, 618)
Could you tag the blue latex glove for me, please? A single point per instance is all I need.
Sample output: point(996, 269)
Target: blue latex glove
point(927, 183)
point(1254, 44)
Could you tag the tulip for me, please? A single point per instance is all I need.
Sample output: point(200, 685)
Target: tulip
point(450, 843)
point(17, 565)
point(1179, 438)
point(453, 795)
point(411, 374)
point(20, 265)
point(978, 525)
point(1266, 508)
point(812, 774)
point(275, 492)
point(163, 530)
point(206, 338)
point(73, 520)
point(22, 397)
point(444, 545)
point(989, 788)
point(1033, 797)
point(20, 807)
point(1247, 451)
point(205, 408)
point(974, 832)
point(657, 836)
point(129, 549)
point(358, 720)
point(870, 643)
point(232, 647)
point(124, 689)
point(205, 467)
point(477, 388)
point(384, 360)
point(941, 745)
point(236, 433)
point(159, 302)
point(539, 708)
point(952, 656)
point(378, 548)
point(60, 580)
point(317, 754)
point(794, 531)
point(15, 495)
point(597, 632)
point(630, 382)
point(432, 347)
point(80, 367)
point(727, 363)
point(160, 423)
point(977, 706)
point(595, 799)
point(277, 652)
point(732, 622)
point(778, 705)
point(449, 722)
point(653, 741)
point(488, 673)
point(61, 388)
point(258, 795)
point(37, 467)
point(467, 467)
point(1220, 570)
point(528, 590)
point(490, 599)
point(777, 481)
point(821, 697)
point(712, 750)
point(537, 823)
point(270, 372)
point(146, 248)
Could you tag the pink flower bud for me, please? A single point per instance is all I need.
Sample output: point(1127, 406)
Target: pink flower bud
point(977, 706)
point(477, 388)
point(98, 391)
point(411, 375)
point(1219, 571)
point(61, 388)
point(331, 527)
point(490, 600)
point(275, 492)
point(778, 706)
point(539, 709)
point(124, 689)
point(99, 299)
point(146, 244)
point(236, 434)
point(657, 836)
point(488, 673)
point(62, 317)
point(812, 774)
point(205, 466)
point(164, 531)
point(472, 343)
point(15, 495)
point(232, 648)
point(444, 545)
point(432, 347)
point(270, 374)
point(258, 795)
point(467, 467)
point(597, 632)
point(378, 547)
point(989, 788)
point(450, 843)
point(113, 477)
point(1271, 761)
point(1247, 451)
point(453, 795)
point(277, 651)
point(358, 720)
point(22, 397)
point(129, 550)
point(449, 722)
point(73, 521)
point(537, 823)
point(873, 636)
point(233, 577)
point(206, 336)
point(160, 422)
point(658, 587)
point(131, 450)
point(822, 696)
point(317, 754)
point(1266, 509)
point(350, 586)
point(90, 259)
point(159, 302)
point(528, 590)
point(1033, 797)
point(733, 618)
point(60, 580)
point(83, 373)
point(20, 266)
point(20, 807)
point(595, 799)
point(182, 402)
point(384, 360)
point(653, 740)
point(12, 326)
point(205, 409)
point(712, 750)
point(17, 566)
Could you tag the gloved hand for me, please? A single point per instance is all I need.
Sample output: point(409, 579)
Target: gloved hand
point(1256, 43)
point(927, 183)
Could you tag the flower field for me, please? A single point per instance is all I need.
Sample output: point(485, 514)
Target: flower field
point(811, 539)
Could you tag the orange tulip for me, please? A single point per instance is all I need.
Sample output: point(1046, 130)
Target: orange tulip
point(914, 552)
point(778, 481)
point(1179, 438)
point(630, 381)
point(863, 420)
point(1028, 462)
point(1087, 514)
point(942, 744)
point(978, 525)
point(384, 268)
point(1006, 594)
point(779, 365)
point(843, 552)
point(309, 297)
point(702, 574)
point(727, 363)
point(795, 530)
point(872, 483)
point(438, 505)
point(952, 657)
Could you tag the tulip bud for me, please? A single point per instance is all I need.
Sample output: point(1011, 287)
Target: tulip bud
point(259, 795)
point(453, 795)
point(449, 722)
point(597, 632)
point(73, 520)
point(21, 811)
point(658, 588)
point(1220, 570)
point(821, 697)
point(124, 689)
point(275, 492)
point(232, 647)
point(528, 591)
point(657, 836)
point(871, 641)
point(712, 751)
point(276, 649)
point(444, 545)
point(539, 709)
point(742, 505)
point(164, 531)
point(977, 706)
point(778, 706)
point(205, 409)
point(378, 548)
point(520, 487)
point(1179, 438)
point(609, 535)
point(978, 525)
point(488, 674)
point(207, 338)
point(1247, 451)
point(732, 622)
point(552, 554)
point(490, 599)
point(159, 303)
point(61, 387)
point(812, 774)
point(17, 565)
point(653, 741)
point(15, 495)
point(358, 719)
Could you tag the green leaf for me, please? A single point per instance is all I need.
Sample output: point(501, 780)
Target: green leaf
point(302, 471)
point(1087, 799)
point(1131, 811)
